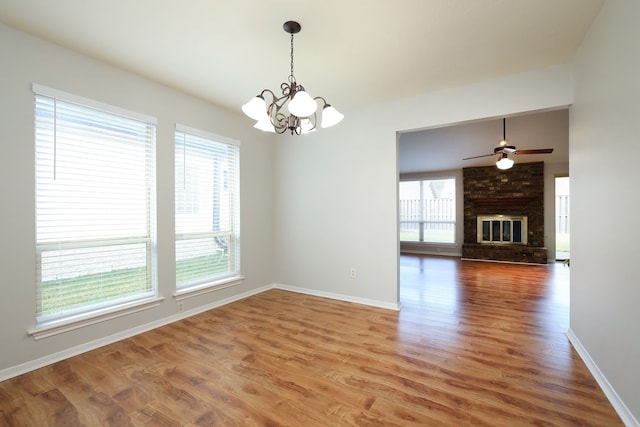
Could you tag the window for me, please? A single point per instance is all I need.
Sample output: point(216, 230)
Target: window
point(563, 216)
point(95, 228)
point(207, 210)
point(428, 211)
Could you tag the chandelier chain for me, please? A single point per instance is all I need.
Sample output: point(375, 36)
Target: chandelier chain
point(292, 77)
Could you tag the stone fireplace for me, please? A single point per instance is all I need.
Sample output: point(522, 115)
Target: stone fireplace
point(504, 213)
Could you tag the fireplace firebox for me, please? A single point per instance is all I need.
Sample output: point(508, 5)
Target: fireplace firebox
point(502, 229)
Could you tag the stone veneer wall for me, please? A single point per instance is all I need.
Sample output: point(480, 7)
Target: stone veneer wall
point(516, 191)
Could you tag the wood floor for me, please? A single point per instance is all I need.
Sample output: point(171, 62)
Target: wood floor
point(477, 344)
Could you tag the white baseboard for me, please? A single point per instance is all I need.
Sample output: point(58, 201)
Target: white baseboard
point(430, 252)
point(627, 417)
point(340, 297)
point(32, 365)
point(501, 262)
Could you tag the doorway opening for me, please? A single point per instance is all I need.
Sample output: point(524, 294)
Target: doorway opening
point(563, 223)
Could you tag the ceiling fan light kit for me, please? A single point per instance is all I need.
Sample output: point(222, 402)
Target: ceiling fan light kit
point(504, 162)
point(295, 110)
point(503, 150)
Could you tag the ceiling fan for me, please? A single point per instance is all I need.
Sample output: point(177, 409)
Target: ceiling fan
point(504, 150)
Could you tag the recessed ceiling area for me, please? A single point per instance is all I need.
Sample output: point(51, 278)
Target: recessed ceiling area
point(443, 148)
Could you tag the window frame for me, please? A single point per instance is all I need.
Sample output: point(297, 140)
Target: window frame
point(229, 184)
point(422, 222)
point(94, 312)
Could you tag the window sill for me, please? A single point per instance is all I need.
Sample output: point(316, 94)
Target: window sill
point(204, 288)
point(59, 326)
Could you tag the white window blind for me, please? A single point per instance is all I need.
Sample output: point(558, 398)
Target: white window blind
point(94, 206)
point(207, 208)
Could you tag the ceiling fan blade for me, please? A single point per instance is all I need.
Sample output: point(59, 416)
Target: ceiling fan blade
point(477, 157)
point(536, 151)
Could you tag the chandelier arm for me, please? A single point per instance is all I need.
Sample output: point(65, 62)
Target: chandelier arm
point(280, 129)
point(273, 95)
point(281, 101)
point(314, 121)
point(278, 103)
point(288, 90)
point(279, 120)
point(324, 101)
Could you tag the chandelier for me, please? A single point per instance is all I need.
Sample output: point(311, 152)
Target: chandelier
point(295, 109)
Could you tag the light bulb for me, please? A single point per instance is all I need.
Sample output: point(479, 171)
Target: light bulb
point(306, 126)
point(256, 108)
point(264, 124)
point(330, 117)
point(302, 105)
point(504, 163)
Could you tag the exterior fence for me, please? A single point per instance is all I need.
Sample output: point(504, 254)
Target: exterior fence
point(429, 210)
point(563, 225)
point(430, 220)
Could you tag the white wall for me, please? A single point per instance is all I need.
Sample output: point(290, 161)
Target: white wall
point(26, 59)
point(605, 199)
point(336, 202)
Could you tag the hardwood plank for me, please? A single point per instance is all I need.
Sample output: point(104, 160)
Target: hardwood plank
point(475, 344)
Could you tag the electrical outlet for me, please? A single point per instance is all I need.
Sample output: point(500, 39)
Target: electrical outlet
point(353, 273)
point(180, 307)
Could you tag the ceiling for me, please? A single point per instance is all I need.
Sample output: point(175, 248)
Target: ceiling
point(444, 148)
point(353, 53)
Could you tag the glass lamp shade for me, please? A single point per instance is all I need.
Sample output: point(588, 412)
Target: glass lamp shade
point(330, 117)
point(264, 124)
point(504, 163)
point(306, 126)
point(302, 105)
point(256, 108)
